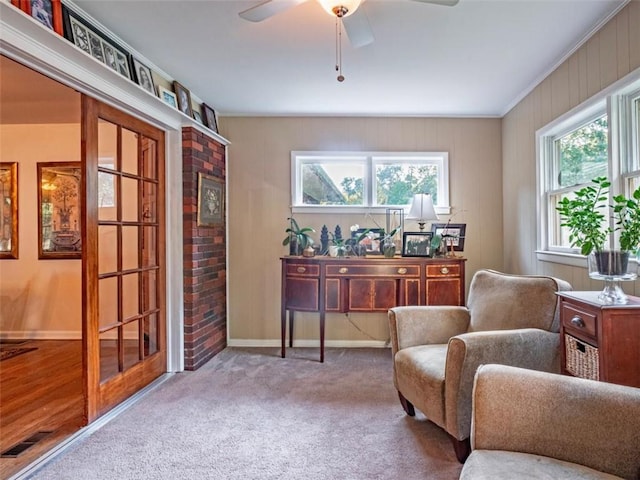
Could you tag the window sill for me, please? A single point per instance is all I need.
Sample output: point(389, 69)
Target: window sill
point(354, 209)
point(564, 258)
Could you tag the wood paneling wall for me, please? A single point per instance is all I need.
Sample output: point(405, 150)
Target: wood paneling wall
point(258, 169)
point(610, 54)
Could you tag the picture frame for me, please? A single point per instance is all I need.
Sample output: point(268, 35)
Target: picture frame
point(209, 117)
point(59, 210)
point(93, 42)
point(167, 96)
point(9, 210)
point(210, 210)
point(453, 234)
point(47, 12)
point(416, 244)
point(372, 241)
point(197, 117)
point(184, 98)
point(143, 76)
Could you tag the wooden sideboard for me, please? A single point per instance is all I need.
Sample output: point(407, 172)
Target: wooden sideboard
point(599, 341)
point(365, 284)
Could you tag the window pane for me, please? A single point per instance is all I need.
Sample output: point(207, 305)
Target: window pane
point(332, 184)
point(582, 153)
point(397, 183)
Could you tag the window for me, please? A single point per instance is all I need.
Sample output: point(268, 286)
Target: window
point(350, 181)
point(599, 138)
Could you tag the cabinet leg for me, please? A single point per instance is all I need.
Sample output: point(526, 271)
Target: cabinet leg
point(321, 337)
point(291, 329)
point(283, 332)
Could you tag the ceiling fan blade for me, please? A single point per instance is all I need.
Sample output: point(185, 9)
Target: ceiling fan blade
point(267, 9)
point(358, 29)
point(446, 3)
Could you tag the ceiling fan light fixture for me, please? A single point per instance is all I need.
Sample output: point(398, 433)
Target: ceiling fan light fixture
point(340, 8)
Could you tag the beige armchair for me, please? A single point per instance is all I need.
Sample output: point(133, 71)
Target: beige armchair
point(509, 319)
point(529, 424)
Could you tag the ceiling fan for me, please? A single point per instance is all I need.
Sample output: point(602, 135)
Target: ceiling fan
point(354, 20)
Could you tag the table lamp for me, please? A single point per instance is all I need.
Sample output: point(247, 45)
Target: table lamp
point(422, 209)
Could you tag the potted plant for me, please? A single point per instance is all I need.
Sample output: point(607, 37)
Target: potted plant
point(297, 238)
point(586, 217)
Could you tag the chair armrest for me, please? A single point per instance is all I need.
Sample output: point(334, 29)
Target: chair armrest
point(424, 325)
point(595, 424)
point(527, 348)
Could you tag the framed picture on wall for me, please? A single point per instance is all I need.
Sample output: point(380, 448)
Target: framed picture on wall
point(59, 215)
point(210, 201)
point(184, 99)
point(210, 117)
point(9, 211)
point(144, 78)
point(47, 12)
point(167, 96)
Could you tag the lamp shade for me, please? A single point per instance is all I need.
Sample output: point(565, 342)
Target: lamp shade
point(422, 208)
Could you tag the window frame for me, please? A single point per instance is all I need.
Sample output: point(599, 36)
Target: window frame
point(370, 159)
point(616, 101)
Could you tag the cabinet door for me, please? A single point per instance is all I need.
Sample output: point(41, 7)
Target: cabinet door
point(370, 294)
point(302, 294)
point(444, 291)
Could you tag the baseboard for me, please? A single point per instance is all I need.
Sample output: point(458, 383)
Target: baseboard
point(42, 335)
point(240, 342)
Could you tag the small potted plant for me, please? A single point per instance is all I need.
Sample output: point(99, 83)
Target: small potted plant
point(297, 238)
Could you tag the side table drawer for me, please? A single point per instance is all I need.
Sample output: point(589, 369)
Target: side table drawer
point(579, 320)
point(400, 270)
point(443, 271)
point(301, 269)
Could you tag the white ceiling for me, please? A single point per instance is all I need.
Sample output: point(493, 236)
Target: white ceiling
point(477, 58)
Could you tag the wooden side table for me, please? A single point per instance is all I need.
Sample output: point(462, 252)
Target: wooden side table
point(599, 341)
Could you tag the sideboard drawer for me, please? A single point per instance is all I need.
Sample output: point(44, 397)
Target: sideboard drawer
point(443, 270)
point(579, 320)
point(302, 269)
point(398, 270)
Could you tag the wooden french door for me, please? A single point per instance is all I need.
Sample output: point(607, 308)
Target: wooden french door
point(124, 255)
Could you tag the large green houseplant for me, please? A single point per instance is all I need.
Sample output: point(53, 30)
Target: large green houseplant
point(586, 216)
point(297, 238)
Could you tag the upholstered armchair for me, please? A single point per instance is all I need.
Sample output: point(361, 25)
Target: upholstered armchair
point(529, 424)
point(509, 319)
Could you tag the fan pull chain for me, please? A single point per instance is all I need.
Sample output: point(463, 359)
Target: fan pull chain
point(340, 77)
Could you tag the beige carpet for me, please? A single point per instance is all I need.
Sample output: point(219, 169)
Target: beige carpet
point(249, 414)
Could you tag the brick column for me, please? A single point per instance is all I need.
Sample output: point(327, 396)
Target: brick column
point(204, 257)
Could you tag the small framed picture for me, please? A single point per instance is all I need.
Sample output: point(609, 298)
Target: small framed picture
point(95, 46)
point(167, 96)
point(416, 244)
point(210, 117)
point(122, 63)
point(184, 99)
point(197, 117)
point(210, 201)
point(9, 216)
point(452, 234)
point(80, 35)
point(371, 241)
point(144, 77)
point(47, 12)
point(59, 210)
point(109, 56)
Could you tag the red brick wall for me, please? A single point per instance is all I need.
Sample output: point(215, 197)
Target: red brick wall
point(205, 302)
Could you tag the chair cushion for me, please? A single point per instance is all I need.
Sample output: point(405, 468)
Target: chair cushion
point(499, 301)
point(420, 377)
point(498, 465)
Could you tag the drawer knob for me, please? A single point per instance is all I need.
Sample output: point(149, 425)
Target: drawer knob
point(402, 271)
point(301, 269)
point(444, 270)
point(577, 321)
point(343, 270)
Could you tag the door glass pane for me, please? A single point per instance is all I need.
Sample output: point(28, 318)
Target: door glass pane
point(131, 344)
point(129, 151)
point(149, 158)
point(109, 354)
point(108, 301)
point(149, 290)
point(130, 249)
point(150, 334)
point(149, 245)
point(107, 198)
point(149, 202)
point(107, 140)
point(107, 249)
point(129, 200)
point(130, 295)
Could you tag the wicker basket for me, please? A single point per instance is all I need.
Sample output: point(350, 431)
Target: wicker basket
point(582, 359)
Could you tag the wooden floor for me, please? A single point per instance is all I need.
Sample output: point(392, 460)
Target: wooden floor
point(40, 391)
